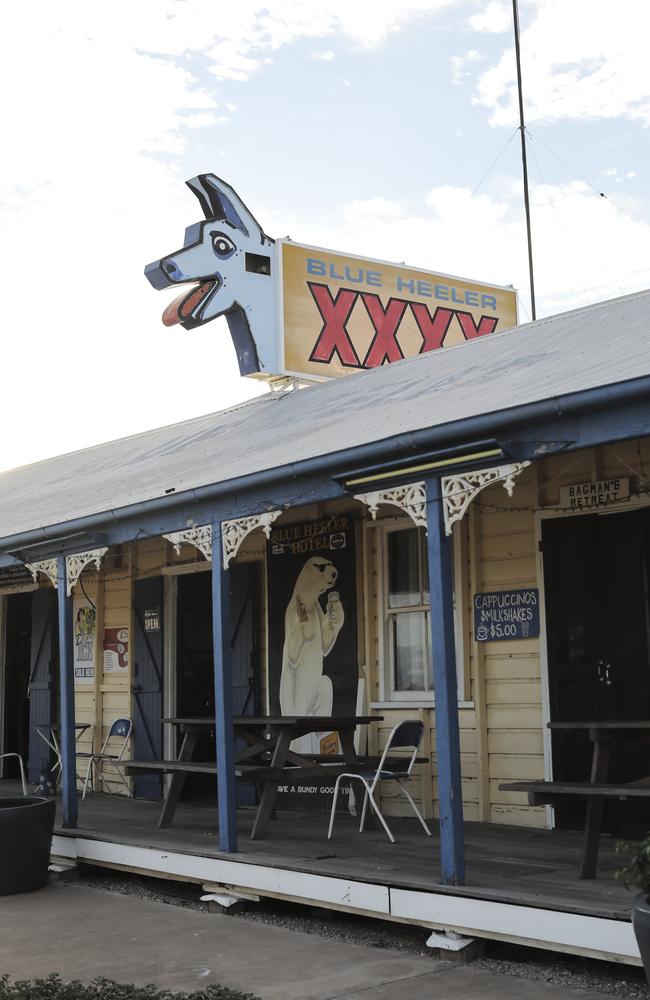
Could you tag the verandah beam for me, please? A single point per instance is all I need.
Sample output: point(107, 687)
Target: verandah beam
point(445, 686)
point(67, 712)
point(224, 728)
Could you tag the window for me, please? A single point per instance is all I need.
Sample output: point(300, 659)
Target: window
point(407, 611)
point(405, 642)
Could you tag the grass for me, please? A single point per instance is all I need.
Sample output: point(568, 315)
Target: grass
point(53, 988)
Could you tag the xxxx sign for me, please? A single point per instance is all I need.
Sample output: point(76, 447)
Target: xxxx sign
point(340, 314)
point(300, 310)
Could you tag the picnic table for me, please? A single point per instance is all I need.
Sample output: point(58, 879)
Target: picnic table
point(266, 759)
point(602, 735)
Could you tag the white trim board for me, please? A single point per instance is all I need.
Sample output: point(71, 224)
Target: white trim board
point(596, 937)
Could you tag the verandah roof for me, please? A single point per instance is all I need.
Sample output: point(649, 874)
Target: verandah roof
point(574, 352)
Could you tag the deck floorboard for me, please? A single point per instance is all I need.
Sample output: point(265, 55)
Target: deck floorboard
point(505, 863)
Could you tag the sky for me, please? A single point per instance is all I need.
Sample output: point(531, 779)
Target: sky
point(387, 129)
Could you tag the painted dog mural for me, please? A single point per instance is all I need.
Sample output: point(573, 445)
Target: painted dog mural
point(230, 263)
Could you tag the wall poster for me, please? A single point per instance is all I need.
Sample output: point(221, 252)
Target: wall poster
point(313, 667)
point(84, 623)
point(116, 650)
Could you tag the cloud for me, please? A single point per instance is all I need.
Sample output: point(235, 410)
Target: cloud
point(495, 19)
point(247, 34)
point(586, 59)
point(459, 64)
point(585, 250)
point(106, 105)
point(323, 56)
point(110, 107)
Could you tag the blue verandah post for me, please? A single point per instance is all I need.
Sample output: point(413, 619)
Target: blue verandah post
point(445, 685)
point(66, 684)
point(225, 735)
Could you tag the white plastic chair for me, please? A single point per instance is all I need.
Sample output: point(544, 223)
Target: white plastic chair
point(21, 765)
point(120, 729)
point(404, 735)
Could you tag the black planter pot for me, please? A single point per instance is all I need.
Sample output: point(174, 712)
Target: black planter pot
point(26, 826)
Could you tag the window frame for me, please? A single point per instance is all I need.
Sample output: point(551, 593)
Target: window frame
point(385, 615)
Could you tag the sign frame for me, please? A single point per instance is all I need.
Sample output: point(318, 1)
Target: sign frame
point(517, 619)
point(591, 490)
point(287, 372)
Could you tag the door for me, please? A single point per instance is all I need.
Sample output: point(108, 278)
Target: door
point(148, 681)
point(195, 660)
point(598, 626)
point(43, 677)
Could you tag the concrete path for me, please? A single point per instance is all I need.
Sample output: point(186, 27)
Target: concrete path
point(82, 933)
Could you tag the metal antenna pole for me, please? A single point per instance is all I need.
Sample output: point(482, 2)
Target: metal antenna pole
point(524, 161)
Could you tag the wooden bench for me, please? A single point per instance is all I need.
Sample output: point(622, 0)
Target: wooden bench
point(594, 793)
point(243, 772)
point(322, 768)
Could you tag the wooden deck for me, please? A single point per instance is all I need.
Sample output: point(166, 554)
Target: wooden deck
point(511, 864)
point(522, 885)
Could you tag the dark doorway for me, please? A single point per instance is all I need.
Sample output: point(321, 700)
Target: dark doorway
point(596, 571)
point(18, 642)
point(195, 663)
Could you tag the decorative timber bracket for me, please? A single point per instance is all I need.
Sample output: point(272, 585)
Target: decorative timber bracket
point(234, 532)
point(74, 567)
point(48, 567)
point(77, 562)
point(198, 535)
point(459, 490)
point(412, 499)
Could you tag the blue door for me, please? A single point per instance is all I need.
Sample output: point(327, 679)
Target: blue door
point(195, 661)
point(147, 687)
point(243, 593)
point(42, 679)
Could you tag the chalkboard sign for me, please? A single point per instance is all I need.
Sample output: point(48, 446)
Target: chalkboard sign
point(506, 614)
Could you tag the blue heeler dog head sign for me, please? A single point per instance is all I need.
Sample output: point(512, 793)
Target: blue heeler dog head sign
point(299, 310)
point(230, 264)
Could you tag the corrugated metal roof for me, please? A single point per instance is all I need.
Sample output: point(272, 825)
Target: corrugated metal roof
point(598, 345)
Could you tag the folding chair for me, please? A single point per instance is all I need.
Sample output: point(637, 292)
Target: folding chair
point(120, 729)
point(21, 766)
point(404, 735)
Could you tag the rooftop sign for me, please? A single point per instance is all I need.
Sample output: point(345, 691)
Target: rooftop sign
point(314, 313)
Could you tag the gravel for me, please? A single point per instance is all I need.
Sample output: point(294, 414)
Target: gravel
point(568, 971)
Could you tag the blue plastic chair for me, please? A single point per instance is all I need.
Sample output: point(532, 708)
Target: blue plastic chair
point(120, 729)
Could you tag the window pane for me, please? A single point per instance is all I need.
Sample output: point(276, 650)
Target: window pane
point(403, 569)
point(411, 652)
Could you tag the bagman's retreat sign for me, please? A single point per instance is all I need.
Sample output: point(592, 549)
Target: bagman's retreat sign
point(602, 493)
point(314, 313)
